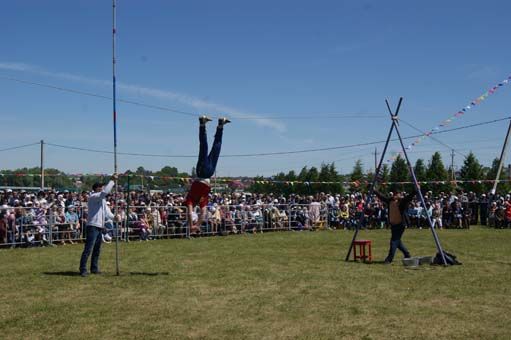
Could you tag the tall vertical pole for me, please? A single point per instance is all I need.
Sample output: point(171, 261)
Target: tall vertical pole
point(501, 159)
point(453, 172)
point(115, 139)
point(375, 159)
point(42, 165)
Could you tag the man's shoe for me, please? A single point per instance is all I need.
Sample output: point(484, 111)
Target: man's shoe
point(84, 274)
point(204, 119)
point(97, 272)
point(222, 121)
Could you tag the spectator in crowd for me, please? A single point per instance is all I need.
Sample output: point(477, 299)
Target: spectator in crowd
point(60, 226)
point(344, 216)
point(162, 222)
point(73, 221)
point(467, 214)
point(507, 206)
point(108, 231)
point(31, 215)
point(483, 209)
point(457, 212)
point(473, 204)
point(447, 216)
point(492, 215)
point(144, 225)
point(436, 215)
point(3, 227)
point(215, 218)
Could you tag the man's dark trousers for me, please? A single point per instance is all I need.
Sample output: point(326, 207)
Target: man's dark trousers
point(93, 242)
point(206, 164)
point(397, 231)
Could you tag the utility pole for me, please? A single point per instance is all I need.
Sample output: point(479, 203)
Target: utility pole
point(42, 165)
point(375, 159)
point(453, 173)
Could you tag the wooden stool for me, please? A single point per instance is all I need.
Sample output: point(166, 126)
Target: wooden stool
point(362, 250)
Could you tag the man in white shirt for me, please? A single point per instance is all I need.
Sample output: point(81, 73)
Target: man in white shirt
point(97, 212)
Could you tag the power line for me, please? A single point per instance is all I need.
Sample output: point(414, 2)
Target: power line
point(119, 153)
point(186, 113)
point(95, 95)
point(433, 138)
point(317, 116)
point(19, 147)
point(280, 152)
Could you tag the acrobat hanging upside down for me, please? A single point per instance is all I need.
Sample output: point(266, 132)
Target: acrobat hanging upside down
point(206, 166)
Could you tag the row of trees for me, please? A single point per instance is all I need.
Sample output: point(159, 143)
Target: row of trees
point(54, 178)
point(282, 183)
point(434, 170)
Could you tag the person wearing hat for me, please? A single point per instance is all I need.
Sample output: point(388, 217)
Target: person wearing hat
point(73, 220)
point(206, 167)
point(97, 211)
point(397, 205)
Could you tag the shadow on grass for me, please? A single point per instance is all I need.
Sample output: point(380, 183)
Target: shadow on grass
point(64, 273)
point(149, 273)
point(377, 262)
point(72, 273)
point(369, 262)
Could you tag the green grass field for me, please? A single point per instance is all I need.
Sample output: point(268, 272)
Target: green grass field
point(264, 286)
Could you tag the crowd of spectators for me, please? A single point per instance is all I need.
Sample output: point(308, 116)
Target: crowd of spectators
point(39, 218)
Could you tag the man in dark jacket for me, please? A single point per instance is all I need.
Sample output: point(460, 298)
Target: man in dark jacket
point(397, 205)
point(483, 208)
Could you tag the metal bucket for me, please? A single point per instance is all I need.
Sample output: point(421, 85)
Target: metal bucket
point(425, 260)
point(411, 262)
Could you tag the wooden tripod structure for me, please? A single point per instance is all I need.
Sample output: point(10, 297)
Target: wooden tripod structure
point(395, 126)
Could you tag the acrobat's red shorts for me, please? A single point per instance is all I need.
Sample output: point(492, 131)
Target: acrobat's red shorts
point(198, 194)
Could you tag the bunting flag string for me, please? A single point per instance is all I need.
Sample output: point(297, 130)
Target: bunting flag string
point(188, 180)
point(455, 116)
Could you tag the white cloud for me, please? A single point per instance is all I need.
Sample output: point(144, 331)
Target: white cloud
point(186, 99)
point(17, 67)
point(200, 104)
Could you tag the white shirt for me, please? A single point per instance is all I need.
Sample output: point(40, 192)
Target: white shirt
point(97, 206)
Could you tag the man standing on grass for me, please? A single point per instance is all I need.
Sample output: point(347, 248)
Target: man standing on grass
point(97, 211)
point(397, 205)
point(206, 167)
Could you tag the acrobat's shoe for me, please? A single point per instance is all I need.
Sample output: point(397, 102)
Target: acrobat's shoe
point(204, 119)
point(222, 121)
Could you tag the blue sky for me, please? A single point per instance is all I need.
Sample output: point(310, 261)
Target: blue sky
point(250, 59)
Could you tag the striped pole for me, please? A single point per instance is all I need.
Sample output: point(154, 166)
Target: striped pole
point(115, 139)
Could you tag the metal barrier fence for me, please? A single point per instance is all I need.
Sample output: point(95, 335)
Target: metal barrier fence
point(309, 216)
point(39, 226)
point(153, 222)
point(22, 226)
